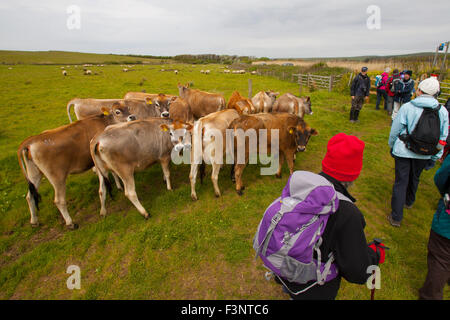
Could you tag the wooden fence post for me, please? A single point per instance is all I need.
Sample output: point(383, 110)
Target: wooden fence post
point(300, 81)
point(250, 88)
point(307, 81)
point(330, 84)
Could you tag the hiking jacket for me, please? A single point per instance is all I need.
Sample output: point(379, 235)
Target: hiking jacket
point(407, 117)
point(388, 86)
point(384, 80)
point(344, 236)
point(360, 86)
point(404, 90)
point(441, 219)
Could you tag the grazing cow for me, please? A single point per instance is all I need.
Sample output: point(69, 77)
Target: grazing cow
point(133, 146)
point(142, 108)
point(293, 133)
point(202, 103)
point(292, 104)
point(203, 138)
point(156, 97)
point(59, 152)
point(180, 110)
point(241, 104)
point(264, 100)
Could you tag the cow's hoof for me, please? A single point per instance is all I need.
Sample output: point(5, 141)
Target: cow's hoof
point(217, 195)
point(278, 176)
point(72, 226)
point(194, 197)
point(240, 192)
point(147, 216)
point(35, 225)
point(103, 213)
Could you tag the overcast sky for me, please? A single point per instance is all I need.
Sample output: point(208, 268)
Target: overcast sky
point(275, 28)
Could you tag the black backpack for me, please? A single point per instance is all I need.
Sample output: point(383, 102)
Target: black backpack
point(426, 135)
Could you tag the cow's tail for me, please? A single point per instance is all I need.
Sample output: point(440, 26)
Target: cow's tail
point(69, 104)
point(21, 155)
point(100, 165)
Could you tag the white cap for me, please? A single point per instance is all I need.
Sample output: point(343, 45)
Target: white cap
point(387, 70)
point(429, 86)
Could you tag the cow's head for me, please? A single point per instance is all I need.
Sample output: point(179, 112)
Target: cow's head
point(180, 134)
point(182, 89)
point(307, 105)
point(302, 132)
point(118, 113)
point(161, 104)
point(272, 95)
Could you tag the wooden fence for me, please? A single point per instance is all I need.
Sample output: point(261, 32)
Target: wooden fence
point(316, 81)
point(445, 92)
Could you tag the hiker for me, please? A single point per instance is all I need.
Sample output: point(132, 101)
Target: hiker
point(359, 90)
point(381, 84)
point(390, 90)
point(404, 91)
point(438, 259)
point(412, 157)
point(338, 233)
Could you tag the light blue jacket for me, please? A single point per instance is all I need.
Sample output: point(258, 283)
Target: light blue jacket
point(407, 117)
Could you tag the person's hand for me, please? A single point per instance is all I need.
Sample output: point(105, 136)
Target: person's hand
point(367, 99)
point(379, 248)
point(430, 164)
point(353, 97)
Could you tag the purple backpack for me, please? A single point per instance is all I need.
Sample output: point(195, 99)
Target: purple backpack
point(292, 227)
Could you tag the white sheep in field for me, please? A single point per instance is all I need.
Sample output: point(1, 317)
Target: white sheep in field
point(176, 71)
point(202, 71)
point(64, 73)
point(125, 70)
point(88, 72)
point(226, 71)
point(207, 71)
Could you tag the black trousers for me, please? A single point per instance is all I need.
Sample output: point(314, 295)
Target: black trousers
point(407, 174)
point(381, 94)
point(438, 261)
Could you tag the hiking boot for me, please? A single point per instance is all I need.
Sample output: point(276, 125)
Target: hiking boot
point(408, 207)
point(392, 221)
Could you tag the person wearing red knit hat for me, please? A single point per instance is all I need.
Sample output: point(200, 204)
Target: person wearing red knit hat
point(344, 232)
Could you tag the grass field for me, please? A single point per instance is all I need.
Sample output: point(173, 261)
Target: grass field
point(187, 250)
point(65, 57)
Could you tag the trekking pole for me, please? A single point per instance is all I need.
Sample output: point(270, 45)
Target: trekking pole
point(372, 292)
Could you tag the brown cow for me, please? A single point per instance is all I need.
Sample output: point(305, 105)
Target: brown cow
point(241, 104)
point(59, 152)
point(202, 103)
point(84, 108)
point(292, 104)
point(293, 133)
point(133, 146)
point(156, 97)
point(180, 110)
point(207, 131)
point(264, 100)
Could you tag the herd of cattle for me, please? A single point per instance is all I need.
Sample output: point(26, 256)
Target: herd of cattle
point(122, 136)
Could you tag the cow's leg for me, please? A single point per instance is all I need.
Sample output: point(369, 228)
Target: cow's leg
point(102, 194)
point(215, 178)
point(280, 165)
point(193, 178)
point(290, 161)
point(117, 180)
point(59, 184)
point(165, 166)
point(239, 170)
point(232, 173)
point(34, 176)
point(130, 192)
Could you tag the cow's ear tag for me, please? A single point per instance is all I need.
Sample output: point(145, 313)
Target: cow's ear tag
point(165, 129)
point(149, 101)
point(291, 131)
point(106, 113)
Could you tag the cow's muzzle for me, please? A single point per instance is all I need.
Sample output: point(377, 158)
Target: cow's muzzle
point(301, 148)
point(131, 117)
point(165, 114)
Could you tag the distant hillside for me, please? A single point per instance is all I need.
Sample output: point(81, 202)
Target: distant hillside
point(65, 57)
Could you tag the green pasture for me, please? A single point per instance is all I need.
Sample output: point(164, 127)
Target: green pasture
point(187, 250)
